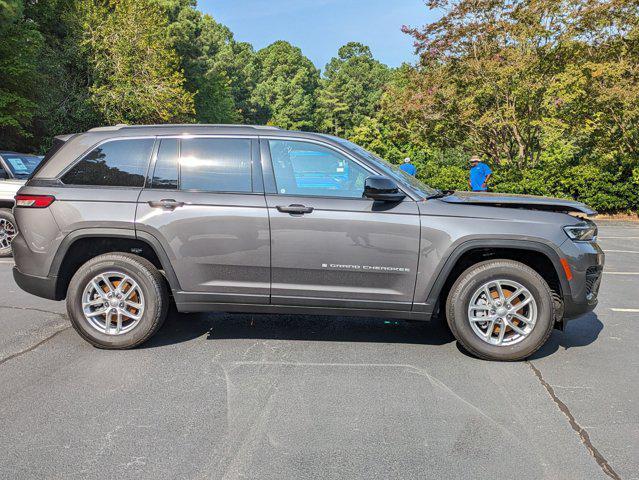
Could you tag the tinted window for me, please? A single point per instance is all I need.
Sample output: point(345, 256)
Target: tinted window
point(308, 169)
point(216, 164)
point(166, 166)
point(22, 165)
point(118, 163)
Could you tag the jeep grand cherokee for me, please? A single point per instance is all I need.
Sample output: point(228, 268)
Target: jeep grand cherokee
point(122, 220)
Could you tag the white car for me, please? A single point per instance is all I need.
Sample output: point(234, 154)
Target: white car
point(15, 169)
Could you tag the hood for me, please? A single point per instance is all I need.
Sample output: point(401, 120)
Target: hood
point(529, 202)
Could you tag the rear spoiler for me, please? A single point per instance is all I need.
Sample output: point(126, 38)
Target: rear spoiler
point(58, 142)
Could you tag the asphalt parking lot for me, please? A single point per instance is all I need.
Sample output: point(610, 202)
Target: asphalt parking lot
point(259, 396)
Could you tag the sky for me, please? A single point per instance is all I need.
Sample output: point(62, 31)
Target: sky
point(320, 27)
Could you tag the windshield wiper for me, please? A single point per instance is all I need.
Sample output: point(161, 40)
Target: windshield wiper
point(440, 194)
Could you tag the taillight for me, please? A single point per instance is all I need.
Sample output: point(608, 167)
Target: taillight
point(34, 201)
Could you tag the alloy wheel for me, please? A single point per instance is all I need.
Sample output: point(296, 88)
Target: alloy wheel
point(113, 303)
point(502, 312)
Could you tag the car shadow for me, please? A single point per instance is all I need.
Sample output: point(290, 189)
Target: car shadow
point(579, 332)
point(181, 327)
point(184, 327)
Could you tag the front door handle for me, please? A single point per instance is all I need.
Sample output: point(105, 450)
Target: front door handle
point(166, 204)
point(295, 209)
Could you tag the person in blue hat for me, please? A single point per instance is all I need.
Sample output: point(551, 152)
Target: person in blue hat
point(408, 167)
point(480, 174)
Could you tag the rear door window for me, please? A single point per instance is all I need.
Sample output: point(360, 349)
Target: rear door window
point(216, 165)
point(116, 163)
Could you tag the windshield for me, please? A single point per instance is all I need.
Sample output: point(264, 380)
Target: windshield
point(21, 166)
point(390, 169)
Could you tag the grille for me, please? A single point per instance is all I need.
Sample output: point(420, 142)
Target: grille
point(593, 280)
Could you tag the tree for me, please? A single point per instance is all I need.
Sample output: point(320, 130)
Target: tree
point(285, 89)
point(10, 10)
point(198, 40)
point(63, 98)
point(350, 90)
point(19, 48)
point(134, 68)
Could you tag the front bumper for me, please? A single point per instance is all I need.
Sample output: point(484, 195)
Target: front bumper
point(586, 260)
point(44, 287)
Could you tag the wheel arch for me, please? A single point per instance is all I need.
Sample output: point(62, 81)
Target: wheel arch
point(540, 256)
point(79, 246)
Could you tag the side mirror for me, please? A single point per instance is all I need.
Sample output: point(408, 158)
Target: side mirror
point(378, 187)
point(3, 174)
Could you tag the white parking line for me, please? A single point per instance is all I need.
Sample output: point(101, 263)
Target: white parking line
point(625, 310)
point(617, 238)
point(621, 273)
point(621, 251)
point(8, 262)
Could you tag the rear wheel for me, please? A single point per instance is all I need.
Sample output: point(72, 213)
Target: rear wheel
point(8, 231)
point(500, 310)
point(117, 300)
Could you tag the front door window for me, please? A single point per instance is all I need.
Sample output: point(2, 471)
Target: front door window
point(308, 169)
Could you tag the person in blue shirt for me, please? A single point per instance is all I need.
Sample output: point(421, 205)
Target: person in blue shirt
point(408, 167)
point(480, 173)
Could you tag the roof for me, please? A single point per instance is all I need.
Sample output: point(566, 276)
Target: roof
point(197, 129)
point(76, 145)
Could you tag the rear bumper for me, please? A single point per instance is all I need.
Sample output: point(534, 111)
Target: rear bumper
point(44, 287)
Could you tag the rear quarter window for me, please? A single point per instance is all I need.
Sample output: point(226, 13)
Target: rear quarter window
point(115, 163)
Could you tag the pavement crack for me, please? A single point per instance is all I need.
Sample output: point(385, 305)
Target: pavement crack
point(31, 309)
point(33, 347)
point(582, 432)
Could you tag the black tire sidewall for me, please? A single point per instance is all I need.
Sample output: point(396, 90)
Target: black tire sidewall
point(153, 297)
point(474, 278)
point(6, 214)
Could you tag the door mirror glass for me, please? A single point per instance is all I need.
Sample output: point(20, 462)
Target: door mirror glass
point(3, 174)
point(383, 189)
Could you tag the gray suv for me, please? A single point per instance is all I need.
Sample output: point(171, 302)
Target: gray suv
point(122, 220)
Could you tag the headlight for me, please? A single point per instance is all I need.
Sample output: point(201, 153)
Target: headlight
point(582, 232)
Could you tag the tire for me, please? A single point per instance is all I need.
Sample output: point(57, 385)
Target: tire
point(150, 292)
point(7, 226)
point(469, 285)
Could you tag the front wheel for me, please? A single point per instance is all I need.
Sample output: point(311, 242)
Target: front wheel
point(117, 301)
point(8, 231)
point(500, 310)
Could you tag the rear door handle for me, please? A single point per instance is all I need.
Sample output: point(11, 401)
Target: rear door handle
point(295, 209)
point(166, 204)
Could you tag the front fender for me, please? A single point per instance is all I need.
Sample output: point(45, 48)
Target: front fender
point(429, 287)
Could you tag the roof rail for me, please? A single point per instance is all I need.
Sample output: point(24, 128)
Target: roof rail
point(110, 128)
point(184, 125)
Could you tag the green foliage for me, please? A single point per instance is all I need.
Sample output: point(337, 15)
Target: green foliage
point(284, 93)
point(199, 42)
point(133, 65)
point(10, 11)
point(350, 90)
point(546, 91)
point(19, 49)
